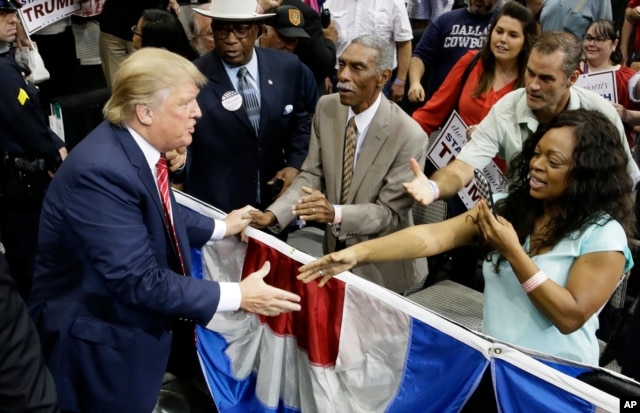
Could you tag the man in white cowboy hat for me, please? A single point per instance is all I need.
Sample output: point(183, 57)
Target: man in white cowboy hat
point(254, 128)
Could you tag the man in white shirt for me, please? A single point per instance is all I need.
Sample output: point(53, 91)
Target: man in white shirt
point(386, 18)
point(551, 71)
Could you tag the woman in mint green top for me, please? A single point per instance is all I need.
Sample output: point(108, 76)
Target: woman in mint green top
point(528, 327)
point(559, 244)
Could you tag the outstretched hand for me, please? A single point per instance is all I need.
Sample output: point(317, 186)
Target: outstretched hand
point(261, 298)
point(261, 219)
point(328, 266)
point(419, 188)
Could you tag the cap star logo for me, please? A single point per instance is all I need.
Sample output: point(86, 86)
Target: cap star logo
point(294, 17)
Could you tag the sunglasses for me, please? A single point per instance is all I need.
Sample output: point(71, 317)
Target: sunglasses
point(240, 31)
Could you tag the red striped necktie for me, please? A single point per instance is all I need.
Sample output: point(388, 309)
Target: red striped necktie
point(163, 186)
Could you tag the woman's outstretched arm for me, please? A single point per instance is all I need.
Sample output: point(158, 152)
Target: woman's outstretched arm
point(412, 242)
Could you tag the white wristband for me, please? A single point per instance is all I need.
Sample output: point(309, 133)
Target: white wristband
point(435, 188)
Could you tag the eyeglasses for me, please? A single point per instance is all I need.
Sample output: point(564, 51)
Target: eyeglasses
point(134, 30)
point(241, 31)
point(598, 39)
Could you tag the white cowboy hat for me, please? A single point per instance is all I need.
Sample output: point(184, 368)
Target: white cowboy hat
point(234, 10)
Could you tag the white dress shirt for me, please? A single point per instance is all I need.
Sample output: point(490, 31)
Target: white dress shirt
point(388, 19)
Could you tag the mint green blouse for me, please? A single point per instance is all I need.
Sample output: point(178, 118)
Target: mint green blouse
point(510, 316)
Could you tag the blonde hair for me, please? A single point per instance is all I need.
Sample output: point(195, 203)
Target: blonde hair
point(146, 77)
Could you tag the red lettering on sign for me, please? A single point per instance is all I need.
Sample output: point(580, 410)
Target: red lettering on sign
point(445, 152)
point(473, 192)
point(37, 9)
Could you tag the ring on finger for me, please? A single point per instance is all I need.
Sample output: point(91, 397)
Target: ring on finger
point(321, 273)
point(313, 210)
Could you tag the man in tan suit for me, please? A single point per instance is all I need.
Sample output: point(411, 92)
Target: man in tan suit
point(358, 127)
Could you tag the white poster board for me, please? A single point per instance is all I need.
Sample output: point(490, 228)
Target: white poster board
point(602, 83)
point(37, 14)
point(448, 146)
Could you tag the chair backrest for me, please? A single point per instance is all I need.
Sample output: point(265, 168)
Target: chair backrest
point(434, 212)
point(617, 299)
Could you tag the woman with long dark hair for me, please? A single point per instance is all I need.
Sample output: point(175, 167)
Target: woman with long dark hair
point(558, 246)
point(159, 28)
point(498, 69)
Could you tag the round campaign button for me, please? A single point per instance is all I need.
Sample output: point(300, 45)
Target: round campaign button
point(231, 100)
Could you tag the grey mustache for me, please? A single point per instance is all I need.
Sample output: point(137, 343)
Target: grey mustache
point(346, 86)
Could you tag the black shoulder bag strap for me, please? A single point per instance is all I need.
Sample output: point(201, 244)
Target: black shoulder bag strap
point(466, 73)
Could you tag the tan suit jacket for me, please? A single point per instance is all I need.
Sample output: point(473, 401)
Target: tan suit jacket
point(377, 204)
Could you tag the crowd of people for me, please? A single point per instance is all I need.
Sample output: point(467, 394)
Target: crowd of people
point(236, 107)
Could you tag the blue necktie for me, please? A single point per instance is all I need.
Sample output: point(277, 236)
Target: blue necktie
point(249, 99)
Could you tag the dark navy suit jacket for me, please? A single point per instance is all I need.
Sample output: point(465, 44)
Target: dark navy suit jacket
point(226, 158)
point(106, 285)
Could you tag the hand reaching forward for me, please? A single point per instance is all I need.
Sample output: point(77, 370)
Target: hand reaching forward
point(238, 219)
point(419, 188)
point(261, 219)
point(261, 298)
point(328, 266)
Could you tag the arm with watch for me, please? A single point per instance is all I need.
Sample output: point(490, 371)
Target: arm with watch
point(404, 57)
